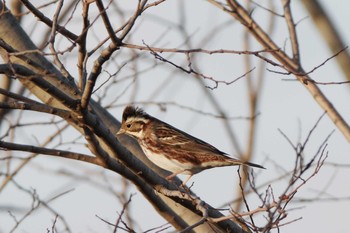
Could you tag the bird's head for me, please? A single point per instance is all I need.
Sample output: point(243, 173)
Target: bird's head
point(133, 122)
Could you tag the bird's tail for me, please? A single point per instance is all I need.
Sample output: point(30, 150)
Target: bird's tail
point(253, 165)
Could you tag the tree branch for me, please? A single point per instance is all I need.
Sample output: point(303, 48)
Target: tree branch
point(237, 11)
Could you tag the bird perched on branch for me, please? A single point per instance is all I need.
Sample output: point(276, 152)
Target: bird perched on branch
point(171, 148)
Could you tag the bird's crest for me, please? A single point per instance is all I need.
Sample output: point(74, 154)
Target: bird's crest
point(136, 112)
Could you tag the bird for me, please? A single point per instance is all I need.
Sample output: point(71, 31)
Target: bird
point(173, 149)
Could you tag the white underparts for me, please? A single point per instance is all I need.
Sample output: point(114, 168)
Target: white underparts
point(168, 164)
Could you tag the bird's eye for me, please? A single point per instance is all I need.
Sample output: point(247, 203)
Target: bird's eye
point(128, 126)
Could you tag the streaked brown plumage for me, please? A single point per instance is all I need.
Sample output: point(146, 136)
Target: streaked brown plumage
point(171, 148)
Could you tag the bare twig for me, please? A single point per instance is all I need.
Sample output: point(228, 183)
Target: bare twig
point(243, 16)
point(190, 70)
point(55, 152)
point(48, 22)
point(107, 23)
point(125, 205)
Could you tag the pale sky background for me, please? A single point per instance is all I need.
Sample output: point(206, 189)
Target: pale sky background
point(284, 105)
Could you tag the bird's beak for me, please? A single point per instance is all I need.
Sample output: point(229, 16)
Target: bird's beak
point(121, 131)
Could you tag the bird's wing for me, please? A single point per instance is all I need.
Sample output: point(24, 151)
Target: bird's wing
point(180, 140)
point(195, 149)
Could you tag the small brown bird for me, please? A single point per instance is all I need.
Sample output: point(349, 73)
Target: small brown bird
point(171, 148)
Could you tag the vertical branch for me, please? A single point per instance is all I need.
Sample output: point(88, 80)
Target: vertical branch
point(53, 38)
point(292, 31)
point(254, 88)
point(82, 55)
point(330, 34)
point(107, 23)
point(243, 176)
